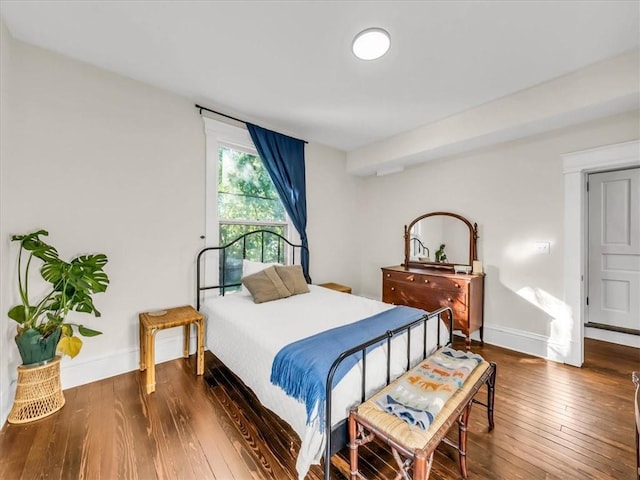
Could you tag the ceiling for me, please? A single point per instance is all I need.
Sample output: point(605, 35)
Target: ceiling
point(287, 65)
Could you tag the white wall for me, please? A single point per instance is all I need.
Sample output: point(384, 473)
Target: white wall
point(105, 164)
point(515, 193)
point(6, 49)
point(333, 209)
point(111, 165)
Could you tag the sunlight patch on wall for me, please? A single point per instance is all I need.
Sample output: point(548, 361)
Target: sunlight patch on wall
point(517, 252)
point(560, 328)
point(523, 250)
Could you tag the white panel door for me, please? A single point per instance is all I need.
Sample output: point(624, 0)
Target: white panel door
point(614, 249)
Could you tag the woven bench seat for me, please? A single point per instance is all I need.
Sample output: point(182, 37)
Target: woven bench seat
point(413, 447)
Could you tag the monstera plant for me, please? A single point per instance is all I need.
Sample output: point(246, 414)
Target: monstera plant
point(42, 326)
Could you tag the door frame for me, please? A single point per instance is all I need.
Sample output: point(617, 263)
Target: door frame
point(575, 167)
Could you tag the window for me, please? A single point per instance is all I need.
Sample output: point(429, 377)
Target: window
point(247, 198)
point(240, 198)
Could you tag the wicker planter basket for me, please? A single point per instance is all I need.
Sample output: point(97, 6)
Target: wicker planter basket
point(38, 392)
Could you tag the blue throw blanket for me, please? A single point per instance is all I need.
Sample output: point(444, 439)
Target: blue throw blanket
point(301, 368)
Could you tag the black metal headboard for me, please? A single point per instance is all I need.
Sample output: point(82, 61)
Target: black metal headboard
point(416, 244)
point(259, 246)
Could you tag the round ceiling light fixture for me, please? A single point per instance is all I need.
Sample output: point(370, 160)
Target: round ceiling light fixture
point(371, 43)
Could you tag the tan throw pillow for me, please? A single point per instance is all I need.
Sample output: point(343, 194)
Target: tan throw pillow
point(250, 267)
point(266, 286)
point(293, 278)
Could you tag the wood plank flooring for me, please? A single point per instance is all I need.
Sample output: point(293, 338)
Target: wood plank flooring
point(552, 422)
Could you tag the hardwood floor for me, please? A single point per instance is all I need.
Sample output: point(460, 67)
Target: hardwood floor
point(552, 422)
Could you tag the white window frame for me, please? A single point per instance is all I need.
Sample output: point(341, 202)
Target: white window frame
point(233, 135)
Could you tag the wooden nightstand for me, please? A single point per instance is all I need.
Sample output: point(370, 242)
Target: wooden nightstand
point(336, 286)
point(152, 322)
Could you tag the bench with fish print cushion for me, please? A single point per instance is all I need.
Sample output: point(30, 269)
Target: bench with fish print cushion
point(413, 414)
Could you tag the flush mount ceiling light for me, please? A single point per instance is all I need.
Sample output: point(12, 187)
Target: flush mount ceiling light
point(371, 43)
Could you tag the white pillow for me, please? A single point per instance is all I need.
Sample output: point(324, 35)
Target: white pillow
point(249, 268)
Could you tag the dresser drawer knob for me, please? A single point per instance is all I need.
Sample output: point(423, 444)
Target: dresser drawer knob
point(388, 275)
point(426, 280)
point(393, 289)
point(449, 299)
point(456, 285)
point(412, 279)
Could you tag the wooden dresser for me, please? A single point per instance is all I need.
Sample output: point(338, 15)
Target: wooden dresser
point(432, 288)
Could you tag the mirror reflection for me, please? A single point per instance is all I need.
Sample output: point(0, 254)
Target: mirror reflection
point(440, 239)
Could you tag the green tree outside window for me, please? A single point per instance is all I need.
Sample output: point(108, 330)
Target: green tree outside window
point(247, 201)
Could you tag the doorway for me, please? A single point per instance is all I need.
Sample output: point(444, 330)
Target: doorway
point(576, 166)
point(613, 255)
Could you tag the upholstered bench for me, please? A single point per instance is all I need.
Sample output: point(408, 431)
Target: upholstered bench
point(413, 435)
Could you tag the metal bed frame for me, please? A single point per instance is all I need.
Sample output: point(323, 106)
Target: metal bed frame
point(418, 246)
point(283, 245)
point(336, 438)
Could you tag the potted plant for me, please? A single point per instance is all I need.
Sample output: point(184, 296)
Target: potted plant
point(42, 327)
point(441, 257)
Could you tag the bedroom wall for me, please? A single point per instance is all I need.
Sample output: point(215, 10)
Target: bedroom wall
point(109, 164)
point(6, 47)
point(105, 164)
point(333, 210)
point(515, 193)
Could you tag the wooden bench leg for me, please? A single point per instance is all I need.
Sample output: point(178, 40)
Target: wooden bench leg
point(463, 422)
point(353, 447)
point(420, 466)
point(491, 394)
point(490, 382)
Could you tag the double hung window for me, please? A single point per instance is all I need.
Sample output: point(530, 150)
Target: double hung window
point(241, 198)
point(247, 198)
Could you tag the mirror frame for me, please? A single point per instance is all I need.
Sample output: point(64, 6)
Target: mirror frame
point(473, 241)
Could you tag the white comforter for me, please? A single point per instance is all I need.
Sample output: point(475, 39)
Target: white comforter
point(247, 336)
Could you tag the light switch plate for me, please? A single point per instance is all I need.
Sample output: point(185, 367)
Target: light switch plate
point(542, 247)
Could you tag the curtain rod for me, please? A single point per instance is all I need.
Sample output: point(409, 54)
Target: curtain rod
point(236, 119)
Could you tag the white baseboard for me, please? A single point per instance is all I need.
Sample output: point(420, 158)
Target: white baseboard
point(530, 343)
point(6, 408)
point(612, 337)
point(74, 372)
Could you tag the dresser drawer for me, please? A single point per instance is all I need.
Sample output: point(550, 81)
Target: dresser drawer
point(402, 293)
point(447, 298)
point(428, 281)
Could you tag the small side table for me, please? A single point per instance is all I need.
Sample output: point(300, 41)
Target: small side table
point(152, 322)
point(336, 286)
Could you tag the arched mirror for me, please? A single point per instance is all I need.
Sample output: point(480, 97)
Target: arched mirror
point(440, 239)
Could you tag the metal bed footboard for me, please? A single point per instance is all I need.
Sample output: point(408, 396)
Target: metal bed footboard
point(362, 348)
